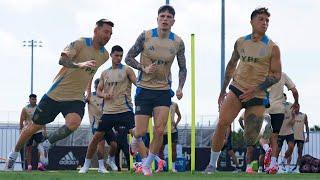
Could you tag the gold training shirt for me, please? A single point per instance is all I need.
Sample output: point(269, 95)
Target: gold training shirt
point(162, 52)
point(71, 83)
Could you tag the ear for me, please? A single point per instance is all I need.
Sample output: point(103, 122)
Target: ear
point(173, 21)
point(95, 30)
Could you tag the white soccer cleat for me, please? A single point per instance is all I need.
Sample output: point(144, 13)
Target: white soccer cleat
point(9, 166)
point(83, 170)
point(103, 170)
point(112, 164)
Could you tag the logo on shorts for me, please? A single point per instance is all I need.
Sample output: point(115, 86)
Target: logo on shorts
point(69, 159)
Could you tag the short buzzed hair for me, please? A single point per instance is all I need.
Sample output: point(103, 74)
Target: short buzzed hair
point(32, 96)
point(101, 22)
point(168, 8)
point(258, 11)
point(116, 48)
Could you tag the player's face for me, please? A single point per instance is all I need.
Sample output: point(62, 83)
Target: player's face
point(116, 57)
point(260, 23)
point(165, 20)
point(103, 34)
point(33, 101)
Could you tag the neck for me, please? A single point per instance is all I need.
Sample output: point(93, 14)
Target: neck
point(32, 105)
point(115, 66)
point(95, 43)
point(257, 36)
point(163, 33)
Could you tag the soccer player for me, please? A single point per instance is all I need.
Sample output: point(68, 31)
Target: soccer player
point(95, 108)
point(300, 120)
point(157, 48)
point(80, 60)
point(25, 120)
point(115, 88)
point(258, 69)
point(276, 111)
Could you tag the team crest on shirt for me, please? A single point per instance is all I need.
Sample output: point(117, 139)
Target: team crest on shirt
point(151, 48)
point(172, 51)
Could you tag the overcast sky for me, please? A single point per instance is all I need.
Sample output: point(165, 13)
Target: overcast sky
point(294, 26)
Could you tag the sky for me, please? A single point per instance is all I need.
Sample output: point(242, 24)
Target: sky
point(293, 26)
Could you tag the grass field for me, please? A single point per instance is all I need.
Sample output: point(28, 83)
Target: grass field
point(93, 175)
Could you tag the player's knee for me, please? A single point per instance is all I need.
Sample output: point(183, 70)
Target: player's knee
point(159, 130)
point(251, 139)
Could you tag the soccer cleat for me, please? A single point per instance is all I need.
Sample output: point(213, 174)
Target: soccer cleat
point(174, 170)
point(9, 166)
point(267, 158)
point(102, 170)
point(273, 169)
point(210, 169)
point(146, 171)
point(249, 170)
point(29, 167)
point(112, 164)
point(83, 170)
point(138, 170)
point(41, 166)
point(161, 165)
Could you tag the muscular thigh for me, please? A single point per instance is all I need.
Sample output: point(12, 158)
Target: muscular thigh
point(161, 114)
point(230, 108)
point(253, 118)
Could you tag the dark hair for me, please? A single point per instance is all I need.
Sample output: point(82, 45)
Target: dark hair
point(101, 22)
point(116, 48)
point(166, 8)
point(284, 94)
point(32, 96)
point(258, 11)
point(96, 82)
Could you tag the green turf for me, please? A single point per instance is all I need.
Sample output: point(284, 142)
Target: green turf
point(93, 175)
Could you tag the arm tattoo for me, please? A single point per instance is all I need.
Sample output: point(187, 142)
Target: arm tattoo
point(59, 134)
point(252, 128)
point(134, 51)
point(230, 68)
point(68, 63)
point(182, 65)
point(270, 80)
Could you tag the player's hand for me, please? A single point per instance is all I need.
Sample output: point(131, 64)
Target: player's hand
point(248, 94)
point(221, 98)
point(179, 93)
point(150, 69)
point(307, 139)
point(90, 63)
point(295, 108)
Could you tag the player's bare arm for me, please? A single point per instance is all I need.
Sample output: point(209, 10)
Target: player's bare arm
point(131, 75)
point(182, 69)
point(134, 51)
point(69, 63)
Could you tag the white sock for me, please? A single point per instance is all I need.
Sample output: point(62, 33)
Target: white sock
point(41, 152)
point(149, 159)
point(273, 161)
point(101, 163)
point(173, 165)
point(143, 160)
point(111, 158)
point(214, 158)
point(157, 158)
point(265, 147)
point(87, 163)
point(284, 161)
point(13, 155)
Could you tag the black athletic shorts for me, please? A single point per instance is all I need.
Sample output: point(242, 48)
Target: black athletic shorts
point(276, 122)
point(108, 121)
point(174, 138)
point(252, 102)
point(288, 138)
point(299, 142)
point(48, 109)
point(108, 136)
point(38, 138)
point(147, 99)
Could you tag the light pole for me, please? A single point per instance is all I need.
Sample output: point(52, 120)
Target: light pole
point(32, 44)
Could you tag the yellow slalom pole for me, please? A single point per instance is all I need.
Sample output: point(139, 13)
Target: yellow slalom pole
point(169, 145)
point(131, 158)
point(151, 137)
point(193, 117)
